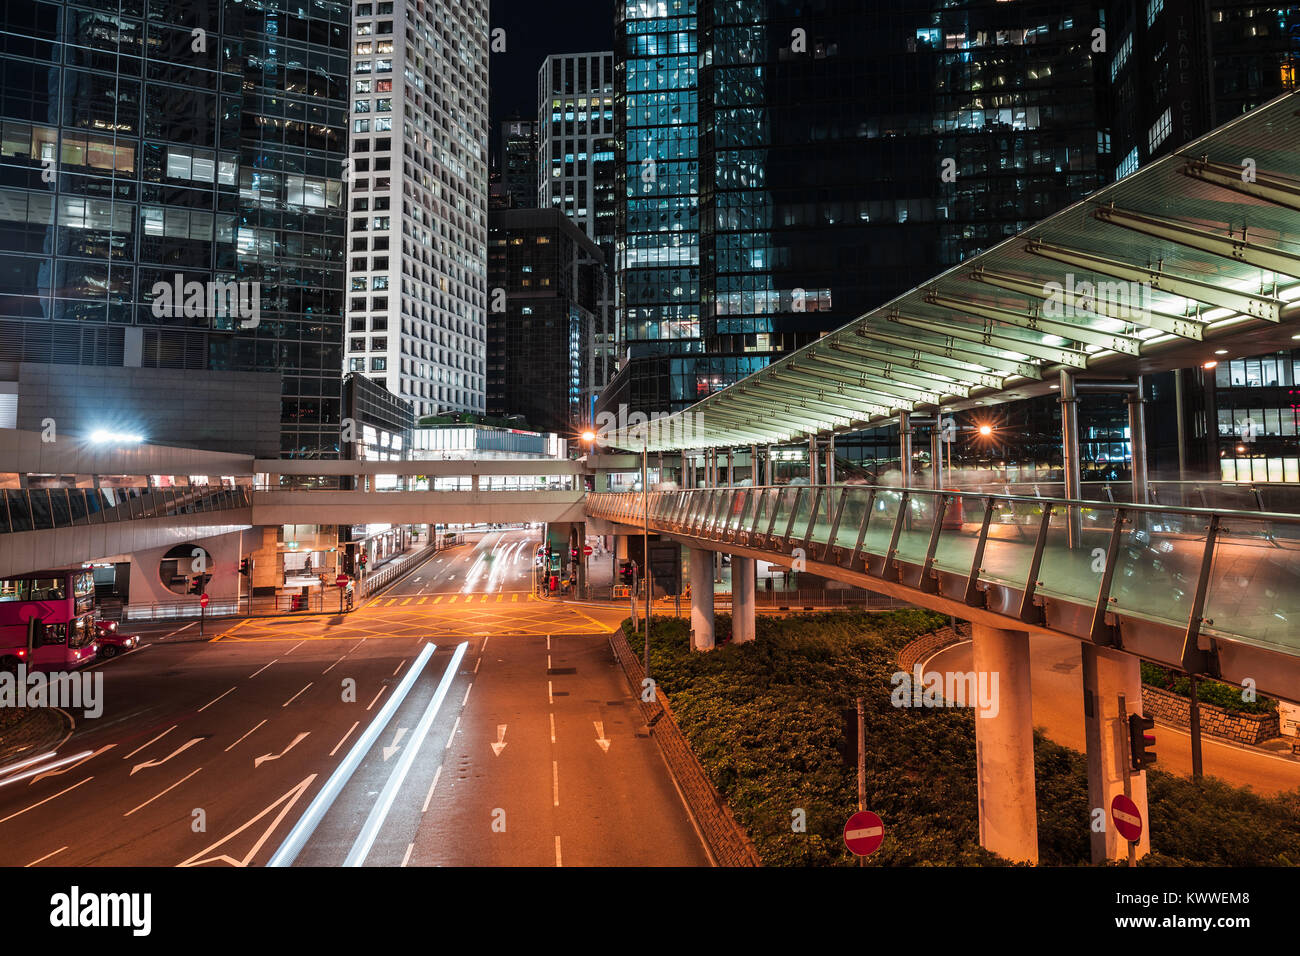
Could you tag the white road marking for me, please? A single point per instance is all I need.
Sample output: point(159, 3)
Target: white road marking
point(484, 646)
point(345, 737)
point(241, 739)
point(211, 702)
point(467, 690)
point(296, 696)
point(555, 781)
point(377, 696)
point(165, 792)
point(46, 800)
point(452, 738)
point(552, 727)
point(158, 763)
point(260, 669)
point(178, 630)
point(296, 741)
point(295, 793)
point(47, 856)
point(379, 813)
point(294, 648)
point(550, 692)
point(154, 741)
point(559, 861)
point(548, 647)
point(399, 667)
point(407, 859)
point(428, 799)
point(477, 663)
point(44, 770)
point(332, 666)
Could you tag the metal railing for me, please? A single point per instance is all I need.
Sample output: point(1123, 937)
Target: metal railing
point(1233, 574)
point(40, 509)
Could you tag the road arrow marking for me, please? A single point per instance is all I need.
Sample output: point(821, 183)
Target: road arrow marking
point(198, 859)
point(397, 744)
point(500, 744)
point(601, 740)
point(158, 763)
point(296, 741)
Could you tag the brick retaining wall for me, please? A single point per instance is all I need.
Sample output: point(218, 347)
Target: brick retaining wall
point(726, 838)
point(927, 644)
point(1172, 709)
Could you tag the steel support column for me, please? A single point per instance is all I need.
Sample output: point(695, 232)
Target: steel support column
point(1137, 430)
point(1070, 453)
point(905, 448)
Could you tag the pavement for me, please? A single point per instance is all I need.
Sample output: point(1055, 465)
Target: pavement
point(527, 752)
point(1056, 683)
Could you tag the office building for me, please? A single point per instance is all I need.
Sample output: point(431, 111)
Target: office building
point(417, 227)
point(549, 287)
point(144, 163)
point(518, 157)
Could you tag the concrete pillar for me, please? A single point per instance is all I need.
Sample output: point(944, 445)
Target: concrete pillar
point(1004, 745)
point(1137, 430)
point(1108, 675)
point(701, 599)
point(742, 599)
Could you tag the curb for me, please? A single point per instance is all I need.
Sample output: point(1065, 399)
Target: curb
point(44, 728)
point(724, 838)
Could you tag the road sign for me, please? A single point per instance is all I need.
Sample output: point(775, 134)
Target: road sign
point(341, 581)
point(203, 601)
point(864, 833)
point(586, 549)
point(1127, 817)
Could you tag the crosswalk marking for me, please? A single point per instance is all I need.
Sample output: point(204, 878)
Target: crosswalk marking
point(437, 599)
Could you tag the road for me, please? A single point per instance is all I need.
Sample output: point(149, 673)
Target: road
point(1056, 684)
point(212, 753)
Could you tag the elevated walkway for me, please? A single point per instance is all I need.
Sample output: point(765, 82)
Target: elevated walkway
point(1214, 592)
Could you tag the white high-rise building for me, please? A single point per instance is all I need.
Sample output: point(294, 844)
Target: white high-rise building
point(417, 229)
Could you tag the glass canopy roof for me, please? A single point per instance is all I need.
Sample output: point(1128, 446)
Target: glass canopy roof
point(1200, 247)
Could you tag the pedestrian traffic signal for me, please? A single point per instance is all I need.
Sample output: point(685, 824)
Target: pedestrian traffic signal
point(196, 584)
point(246, 567)
point(627, 571)
point(1141, 743)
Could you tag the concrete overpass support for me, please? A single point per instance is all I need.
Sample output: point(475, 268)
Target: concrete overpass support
point(1108, 676)
point(742, 599)
point(1004, 744)
point(701, 599)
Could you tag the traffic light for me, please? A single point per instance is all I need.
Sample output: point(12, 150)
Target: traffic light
point(1141, 744)
point(627, 571)
point(196, 584)
point(246, 567)
point(362, 560)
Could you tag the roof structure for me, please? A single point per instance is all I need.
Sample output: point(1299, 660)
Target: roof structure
point(1200, 249)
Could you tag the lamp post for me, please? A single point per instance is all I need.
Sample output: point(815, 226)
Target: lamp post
point(645, 538)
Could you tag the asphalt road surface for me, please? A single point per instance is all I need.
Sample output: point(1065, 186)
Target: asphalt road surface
point(529, 752)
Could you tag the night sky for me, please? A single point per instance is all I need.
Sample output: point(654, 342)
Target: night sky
point(534, 30)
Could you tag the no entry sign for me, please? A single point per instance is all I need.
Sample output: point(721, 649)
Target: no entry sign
point(203, 601)
point(1127, 817)
point(341, 580)
point(864, 833)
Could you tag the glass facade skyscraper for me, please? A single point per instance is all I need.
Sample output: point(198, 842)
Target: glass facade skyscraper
point(825, 159)
point(146, 140)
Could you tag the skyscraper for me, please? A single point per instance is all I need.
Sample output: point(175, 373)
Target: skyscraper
point(575, 121)
point(519, 162)
point(199, 144)
point(417, 236)
point(826, 160)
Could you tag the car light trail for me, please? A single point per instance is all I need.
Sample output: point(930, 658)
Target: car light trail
point(306, 825)
point(366, 839)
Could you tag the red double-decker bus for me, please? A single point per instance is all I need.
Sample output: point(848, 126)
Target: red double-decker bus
point(47, 620)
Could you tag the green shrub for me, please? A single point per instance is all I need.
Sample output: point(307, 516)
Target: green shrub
point(765, 720)
point(1207, 691)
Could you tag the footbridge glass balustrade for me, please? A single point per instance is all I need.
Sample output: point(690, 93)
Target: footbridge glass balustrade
point(1216, 573)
